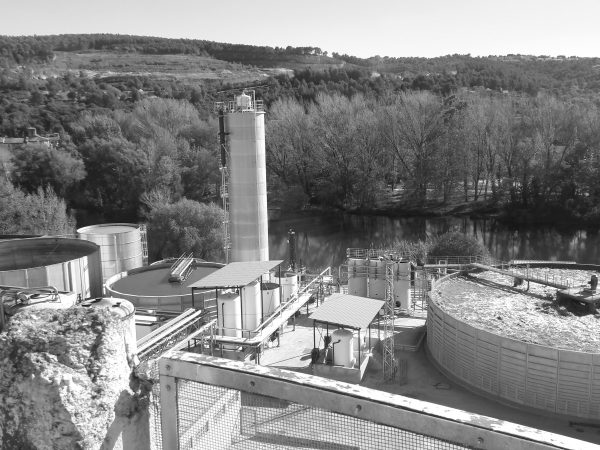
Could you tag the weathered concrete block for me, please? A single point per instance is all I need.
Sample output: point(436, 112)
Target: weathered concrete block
point(62, 375)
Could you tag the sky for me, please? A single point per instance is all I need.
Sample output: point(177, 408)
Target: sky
point(425, 28)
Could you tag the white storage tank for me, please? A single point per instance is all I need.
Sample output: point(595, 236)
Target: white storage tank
point(251, 306)
point(270, 298)
point(377, 283)
point(125, 311)
point(69, 265)
point(230, 314)
point(343, 347)
point(289, 285)
point(120, 246)
point(357, 277)
point(247, 184)
point(402, 284)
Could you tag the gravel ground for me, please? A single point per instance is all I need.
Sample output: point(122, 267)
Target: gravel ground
point(488, 300)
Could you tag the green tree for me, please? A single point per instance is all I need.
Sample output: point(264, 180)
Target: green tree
point(37, 165)
point(182, 227)
point(456, 244)
point(41, 212)
point(291, 148)
point(413, 125)
point(117, 173)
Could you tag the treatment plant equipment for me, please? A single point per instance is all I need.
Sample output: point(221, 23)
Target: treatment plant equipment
point(68, 265)
point(384, 275)
point(249, 307)
point(121, 246)
point(244, 178)
point(154, 287)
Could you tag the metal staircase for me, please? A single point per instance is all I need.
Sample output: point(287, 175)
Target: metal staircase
point(221, 109)
point(144, 239)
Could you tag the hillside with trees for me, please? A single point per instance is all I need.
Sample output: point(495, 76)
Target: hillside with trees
point(513, 134)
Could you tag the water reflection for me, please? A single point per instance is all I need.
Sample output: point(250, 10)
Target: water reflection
point(323, 238)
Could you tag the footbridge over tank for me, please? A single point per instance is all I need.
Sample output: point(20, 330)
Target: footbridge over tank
point(547, 280)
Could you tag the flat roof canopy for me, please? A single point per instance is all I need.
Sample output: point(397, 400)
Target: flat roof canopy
point(235, 274)
point(349, 311)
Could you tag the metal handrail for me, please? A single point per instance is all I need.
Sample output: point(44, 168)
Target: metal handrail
point(407, 415)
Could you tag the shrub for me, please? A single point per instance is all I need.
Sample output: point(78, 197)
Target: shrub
point(456, 244)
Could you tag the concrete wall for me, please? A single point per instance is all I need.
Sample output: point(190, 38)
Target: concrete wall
point(534, 376)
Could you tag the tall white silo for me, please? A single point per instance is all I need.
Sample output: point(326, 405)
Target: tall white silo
point(245, 126)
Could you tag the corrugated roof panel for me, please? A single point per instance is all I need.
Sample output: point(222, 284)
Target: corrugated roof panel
point(235, 274)
point(348, 310)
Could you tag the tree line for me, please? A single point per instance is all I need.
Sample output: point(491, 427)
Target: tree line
point(156, 162)
point(537, 155)
point(523, 73)
point(136, 148)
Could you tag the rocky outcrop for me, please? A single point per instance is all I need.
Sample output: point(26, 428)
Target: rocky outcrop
point(64, 378)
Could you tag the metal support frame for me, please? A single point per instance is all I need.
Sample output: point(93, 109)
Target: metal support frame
point(388, 323)
point(223, 167)
point(144, 240)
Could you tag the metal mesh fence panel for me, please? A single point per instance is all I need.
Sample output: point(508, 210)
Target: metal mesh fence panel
point(149, 370)
point(212, 417)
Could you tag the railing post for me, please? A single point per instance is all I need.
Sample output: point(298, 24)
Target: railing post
point(168, 407)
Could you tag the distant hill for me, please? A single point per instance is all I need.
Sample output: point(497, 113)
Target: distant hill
point(118, 57)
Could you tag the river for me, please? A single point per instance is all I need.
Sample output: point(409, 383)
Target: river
point(323, 238)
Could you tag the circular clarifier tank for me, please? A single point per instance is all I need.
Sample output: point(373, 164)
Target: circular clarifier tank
point(149, 287)
point(69, 265)
point(517, 342)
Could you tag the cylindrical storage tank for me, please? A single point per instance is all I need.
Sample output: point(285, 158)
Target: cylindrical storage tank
point(289, 285)
point(230, 314)
point(120, 246)
point(402, 284)
point(270, 298)
point(248, 186)
point(343, 347)
point(125, 311)
point(377, 282)
point(357, 277)
point(251, 306)
point(70, 265)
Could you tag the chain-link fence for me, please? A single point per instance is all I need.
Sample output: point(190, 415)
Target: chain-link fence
point(221, 404)
point(212, 417)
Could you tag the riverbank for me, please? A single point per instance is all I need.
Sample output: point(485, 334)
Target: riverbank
point(397, 205)
point(433, 208)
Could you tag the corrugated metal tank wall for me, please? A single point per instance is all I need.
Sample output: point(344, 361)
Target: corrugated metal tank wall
point(515, 372)
point(248, 186)
point(67, 264)
point(120, 246)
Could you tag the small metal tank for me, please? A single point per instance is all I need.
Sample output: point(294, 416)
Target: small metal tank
point(230, 314)
point(343, 348)
point(357, 277)
point(377, 279)
point(270, 298)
